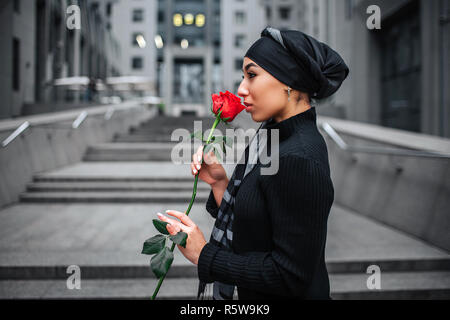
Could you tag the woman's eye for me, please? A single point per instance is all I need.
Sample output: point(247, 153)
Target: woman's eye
point(250, 75)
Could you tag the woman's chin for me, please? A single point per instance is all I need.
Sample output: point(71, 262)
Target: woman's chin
point(257, 118)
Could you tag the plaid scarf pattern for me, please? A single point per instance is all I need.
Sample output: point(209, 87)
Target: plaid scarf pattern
point(222, 233)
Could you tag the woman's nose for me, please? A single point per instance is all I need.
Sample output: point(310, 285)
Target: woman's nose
point(242, 91)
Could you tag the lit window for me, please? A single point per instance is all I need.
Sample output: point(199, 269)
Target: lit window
point(177, 20)
point(189, 18)
point(200, 20)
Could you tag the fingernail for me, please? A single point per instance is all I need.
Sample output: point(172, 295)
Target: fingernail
point(159, 214)
point(198, 167)
point(168, 210)
point(199, 157)
point(195, 171)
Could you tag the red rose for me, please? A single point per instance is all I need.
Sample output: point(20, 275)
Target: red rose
point(229, 104)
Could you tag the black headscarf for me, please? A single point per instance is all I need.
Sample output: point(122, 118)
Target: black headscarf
point(299, 61)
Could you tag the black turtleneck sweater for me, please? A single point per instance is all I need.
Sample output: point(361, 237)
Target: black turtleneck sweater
point(280, 222)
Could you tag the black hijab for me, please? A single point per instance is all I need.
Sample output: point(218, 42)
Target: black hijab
point(299, 61)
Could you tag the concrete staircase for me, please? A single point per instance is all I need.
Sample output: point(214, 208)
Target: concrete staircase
point(96, 214)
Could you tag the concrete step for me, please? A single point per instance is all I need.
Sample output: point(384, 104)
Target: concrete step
point(400, 285)
point(149, 151)
point(183, 289)
point(393, 286)
point(39, 240)
point(183, 269)
point(113, 196)
point(116, 186)
point(143, 139)
point(122, 171)
point(163, 155)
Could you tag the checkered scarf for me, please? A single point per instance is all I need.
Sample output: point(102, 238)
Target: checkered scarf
point(222, 234)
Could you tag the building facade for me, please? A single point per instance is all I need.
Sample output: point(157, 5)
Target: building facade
point(38, 47)
point(399, 74)
point(134, 24)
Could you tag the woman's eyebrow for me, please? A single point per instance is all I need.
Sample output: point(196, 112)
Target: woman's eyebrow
point(251, 64)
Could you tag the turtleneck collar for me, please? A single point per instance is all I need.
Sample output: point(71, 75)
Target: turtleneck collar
point(288, 126)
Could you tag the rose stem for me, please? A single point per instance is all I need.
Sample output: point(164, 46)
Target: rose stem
point(194, 193)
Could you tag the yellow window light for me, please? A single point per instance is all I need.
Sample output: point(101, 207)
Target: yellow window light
point(200, 20)
point(177, 20)
point(188, 18)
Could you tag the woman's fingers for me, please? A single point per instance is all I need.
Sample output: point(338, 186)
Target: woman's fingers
point(173, 230)
point(210, 158)
point(194, 171)
point(176, 225)
point(182, 216)
point(196, 162)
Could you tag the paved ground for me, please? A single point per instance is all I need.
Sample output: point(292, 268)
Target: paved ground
point(96, 214)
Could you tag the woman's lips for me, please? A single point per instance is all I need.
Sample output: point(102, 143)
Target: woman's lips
point(249, 107)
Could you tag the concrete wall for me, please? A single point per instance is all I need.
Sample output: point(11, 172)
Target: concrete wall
point(42, 148)
point(408, 193)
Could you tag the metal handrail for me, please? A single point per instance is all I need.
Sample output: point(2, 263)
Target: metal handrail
point(75, 124)
point(16, 133)
point(377, 150)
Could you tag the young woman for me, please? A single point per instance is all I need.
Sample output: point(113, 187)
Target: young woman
point(270, 231)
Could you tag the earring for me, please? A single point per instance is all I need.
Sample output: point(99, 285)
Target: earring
point(289, 93)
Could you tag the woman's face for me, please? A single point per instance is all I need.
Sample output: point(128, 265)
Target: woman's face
point(265, 93)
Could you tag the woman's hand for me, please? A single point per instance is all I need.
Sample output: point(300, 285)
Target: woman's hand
point(209, 170)
point(195, 240)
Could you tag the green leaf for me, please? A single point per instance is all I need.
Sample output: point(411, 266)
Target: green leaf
point(160, 226)
point(161, 262)
point(180, 238)
point(154, 244)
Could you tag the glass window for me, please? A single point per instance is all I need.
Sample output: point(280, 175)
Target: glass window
point(236, 87)
point(16, 4)
point(238, 64)
point(138, 15)
point(285, 12)
point(135, 38)
point(239, 40)
point(240, 17)
point(268, 13)
point(16, 65)
point(137, 63)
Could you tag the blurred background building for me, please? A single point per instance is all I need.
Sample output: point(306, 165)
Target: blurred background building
point(40, 49)
point(185, 50)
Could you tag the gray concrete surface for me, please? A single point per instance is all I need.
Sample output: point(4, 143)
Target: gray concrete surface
point(51, 143)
